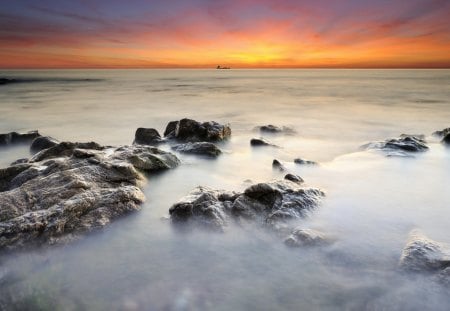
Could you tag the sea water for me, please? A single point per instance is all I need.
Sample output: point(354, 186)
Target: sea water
point(141, 263)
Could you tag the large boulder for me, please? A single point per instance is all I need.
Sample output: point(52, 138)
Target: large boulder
point(147, 136)
point(402, 146)
point(199, 148)
point(272, 204)
point(188, 130)
point(72, 188)
point(422, 254)
point(18, 138)
point(42, 142)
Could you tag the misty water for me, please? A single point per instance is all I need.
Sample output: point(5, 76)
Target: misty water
point(140, 262)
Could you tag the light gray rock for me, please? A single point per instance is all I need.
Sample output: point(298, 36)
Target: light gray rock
point(188, 130)
point(199, 148)
point(306, 237)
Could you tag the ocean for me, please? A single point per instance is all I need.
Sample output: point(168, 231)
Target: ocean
point(141, 263)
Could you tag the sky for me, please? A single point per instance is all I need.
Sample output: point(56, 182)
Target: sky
point(235, 33)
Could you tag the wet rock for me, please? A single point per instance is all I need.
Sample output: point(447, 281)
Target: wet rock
point(269, 204)
point(444, 277)
point(446, 139)
point(294, 178)
point(278, 165)
point(41, 143)
point(273, 129)
point(147, 136)
point(402, 146)
point(20, 161)
point(70, 189)
point(305, 237)
point(258, 142)
point(442, 133)
point(189, 130)
point(199, 148)
point(18, 138)
point(422, 254)
point(304, 162)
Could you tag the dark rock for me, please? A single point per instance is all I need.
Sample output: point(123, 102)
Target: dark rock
point(273, 129)
point(278, 165)
point(18, 138)
point(199, 148)
point(306, 237)
point(422, 254)
point(20, 161)
point(402, 146)
point(193, 131)
point(70, 189)
point(446, 139)
point(147, 136)
point(442, 133)
point(257, 142)
point(304, 162)
point(42, 142)
point(269, 204)
point(294, 178)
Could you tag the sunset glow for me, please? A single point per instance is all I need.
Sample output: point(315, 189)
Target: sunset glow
point(240, 34)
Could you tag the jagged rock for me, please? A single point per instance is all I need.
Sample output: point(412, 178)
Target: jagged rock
point(269, 204)
point(20, 161)
point(72, 188)
point(273, 129)
point(305, 237)
point(42, 142)
point(278, 165)
point(304, 162)
point(147, 136)
point(442, 133)
point(446, 139)
point(422, 254)
point(193, 131)
point(294, 178)
point(18, 138)
point(257, 142)
point(402, 146)
point(200, 148)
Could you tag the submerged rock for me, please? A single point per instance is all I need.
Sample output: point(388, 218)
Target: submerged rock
point(199, 148)
point(273, 129)
point(442, 133)
point(72, 188)
point(304, 162)
point(271, 204)
point(278, 165)
point(18, 138)
point(41, 143)
point(147, 136)
point(422, 254)
point(257, 142)
point(306, 237)
point(193, 131)
point(402, 146)
point(294, 178)
point(446, 139)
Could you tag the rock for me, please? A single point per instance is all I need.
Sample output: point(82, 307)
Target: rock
point(257, 142)
point(18, 138)
point(446, 139)
point(42, 142)
point(147, 136)
point(20, 161)
point(272, 129)
point(72, 188)
point(188, 130)
point(270, 204)
point(422, 254)
point(305, 237)
point(294, 178)
point(402, 146)
point(278, 165)
point(304, 162)
point(200, 148)
point(442, 133)
point(444, 277)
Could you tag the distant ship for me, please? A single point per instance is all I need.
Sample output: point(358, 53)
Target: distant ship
point(220, 67)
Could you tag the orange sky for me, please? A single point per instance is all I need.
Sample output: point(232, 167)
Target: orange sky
point(240, 34)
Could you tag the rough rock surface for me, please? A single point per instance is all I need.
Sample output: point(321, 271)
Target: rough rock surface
point(273, 129)
point(18, 138)
point(147, 136)
point(72, 188)
point(188, 130)
point(42, 142)
point(305, 237)
point(304, 162)
point(257, 142)
point(271, 204)
point(442, 133)
point(199, 148)
point(422, 254)
point(402, 146)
